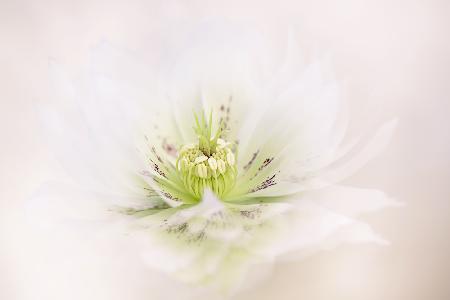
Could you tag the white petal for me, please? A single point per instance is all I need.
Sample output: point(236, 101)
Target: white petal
point(350, 201)
point(373, 148)
point(93, 157)
point(213, 73)
point(313, 228)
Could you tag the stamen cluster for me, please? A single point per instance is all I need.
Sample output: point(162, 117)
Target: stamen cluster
point(209, 164)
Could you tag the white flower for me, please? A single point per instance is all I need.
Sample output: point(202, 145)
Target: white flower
point(253, 180)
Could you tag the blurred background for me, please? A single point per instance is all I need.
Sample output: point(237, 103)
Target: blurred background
point(393, 57)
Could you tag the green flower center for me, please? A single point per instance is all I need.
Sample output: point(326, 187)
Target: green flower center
point(209, 164)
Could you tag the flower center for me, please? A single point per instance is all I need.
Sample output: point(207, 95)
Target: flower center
point(209, 164)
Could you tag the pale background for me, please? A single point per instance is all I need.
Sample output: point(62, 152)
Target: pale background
point(394, 57)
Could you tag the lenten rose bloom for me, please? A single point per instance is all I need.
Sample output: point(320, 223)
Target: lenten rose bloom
point(217, 159)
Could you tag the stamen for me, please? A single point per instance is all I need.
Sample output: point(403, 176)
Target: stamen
point(222, 167)
point(230, 158)
point(202, 171)
point(212, 163)
point(200, 159)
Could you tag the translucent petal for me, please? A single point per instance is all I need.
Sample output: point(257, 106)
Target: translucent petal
point(216, 244)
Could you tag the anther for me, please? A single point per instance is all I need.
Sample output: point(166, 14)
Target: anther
point(221, 166)
point(200, 159)
point(230, 158)
point(212, 163)
point(202, 171)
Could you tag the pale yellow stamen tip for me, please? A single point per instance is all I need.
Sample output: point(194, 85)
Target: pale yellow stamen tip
point(221, 166)
point(222, 144)
point(230, 158)
point(202, 171)
point(183, 164)
point(200, 159)
point(212, 163)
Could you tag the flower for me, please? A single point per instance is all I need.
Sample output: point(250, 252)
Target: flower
point(217, 163)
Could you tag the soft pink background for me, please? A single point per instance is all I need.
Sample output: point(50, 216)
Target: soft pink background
point(392, 56)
